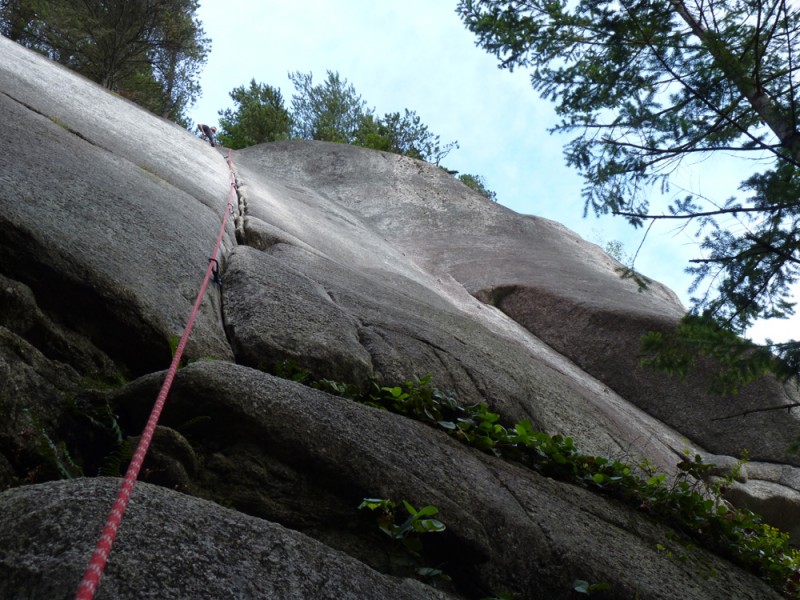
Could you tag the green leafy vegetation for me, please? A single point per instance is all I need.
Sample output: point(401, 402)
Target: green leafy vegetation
point(740, 361)
point(259, 116)
point(56, 460)
point(90, 442)
point(405, 551)
point(478, 183)
point(113, 445)
point(696, 510)
point(331, 111)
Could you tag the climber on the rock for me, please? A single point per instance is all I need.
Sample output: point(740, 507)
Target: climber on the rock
point(207, 133)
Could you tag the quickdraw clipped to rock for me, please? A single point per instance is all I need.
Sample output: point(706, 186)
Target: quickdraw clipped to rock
point(215, 271)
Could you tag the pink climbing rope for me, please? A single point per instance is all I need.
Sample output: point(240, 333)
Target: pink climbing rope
point(91, 578)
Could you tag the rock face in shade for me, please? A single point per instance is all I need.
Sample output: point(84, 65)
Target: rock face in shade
point(202, 550)
point(360, 267)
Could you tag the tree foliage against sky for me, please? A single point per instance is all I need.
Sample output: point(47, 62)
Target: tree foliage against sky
point(404, 134)
point(150, 51)
point(477, 183)
point(646, 84)
point(330, 111)
point(259, 116)
point(333, 111)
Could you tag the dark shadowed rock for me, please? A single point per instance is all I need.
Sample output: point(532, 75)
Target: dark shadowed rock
point(33, 396)
point(170, 547)
point(306, 459)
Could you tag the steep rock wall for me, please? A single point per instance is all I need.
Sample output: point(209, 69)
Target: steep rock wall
point(360, 266)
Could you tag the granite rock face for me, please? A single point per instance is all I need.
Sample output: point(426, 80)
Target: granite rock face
point(299, 457)
point(357, 267)
point(202, 550)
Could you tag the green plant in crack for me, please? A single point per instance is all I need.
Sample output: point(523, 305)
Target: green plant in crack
point(685, 502)
point(106, 426)
point(60, 122)
point(289, 369)
point(405, 552)
point(55, 455)
point(92, 434)
point(174, 341)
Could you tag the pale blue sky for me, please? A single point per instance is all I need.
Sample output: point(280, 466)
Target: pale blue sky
point(417, 54)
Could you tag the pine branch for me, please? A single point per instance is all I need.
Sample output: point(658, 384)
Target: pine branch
point(788, 407)
point(709, 213)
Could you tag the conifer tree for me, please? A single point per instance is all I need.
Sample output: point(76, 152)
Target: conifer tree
point(149, 51)
point(645, 84)
point(260, 116)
